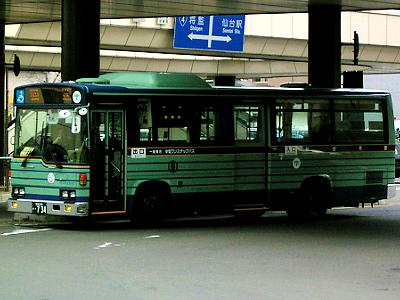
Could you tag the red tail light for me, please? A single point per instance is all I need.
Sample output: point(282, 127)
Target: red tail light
point(82, 179)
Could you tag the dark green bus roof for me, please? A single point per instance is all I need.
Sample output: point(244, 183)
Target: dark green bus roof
point(148, 80)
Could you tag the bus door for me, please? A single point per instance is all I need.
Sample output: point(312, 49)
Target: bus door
point(251, 161)
point(107, 177)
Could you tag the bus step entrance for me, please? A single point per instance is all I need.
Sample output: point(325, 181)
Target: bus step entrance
point(250, 208)
point(106, 205)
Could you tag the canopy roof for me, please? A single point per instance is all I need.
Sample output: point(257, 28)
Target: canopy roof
point(23, 11)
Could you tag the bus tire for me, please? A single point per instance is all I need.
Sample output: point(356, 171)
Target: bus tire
point(313, 197)
point(312, 201)
point(150, 203)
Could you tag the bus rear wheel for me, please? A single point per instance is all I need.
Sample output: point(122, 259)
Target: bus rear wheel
point(312, 200)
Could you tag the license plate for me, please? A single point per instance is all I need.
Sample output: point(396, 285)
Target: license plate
point(39, 208)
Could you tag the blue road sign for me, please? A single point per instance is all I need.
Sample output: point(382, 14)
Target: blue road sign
point(221, 33)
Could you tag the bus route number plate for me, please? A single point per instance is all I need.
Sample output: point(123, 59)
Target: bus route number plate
point(39, 208)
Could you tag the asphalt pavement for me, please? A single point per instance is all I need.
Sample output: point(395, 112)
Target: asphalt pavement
point(352, 254)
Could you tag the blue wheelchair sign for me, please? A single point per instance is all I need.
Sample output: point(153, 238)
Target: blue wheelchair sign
point(20, 97)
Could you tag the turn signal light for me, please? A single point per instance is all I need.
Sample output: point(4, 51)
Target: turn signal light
point(82, 179)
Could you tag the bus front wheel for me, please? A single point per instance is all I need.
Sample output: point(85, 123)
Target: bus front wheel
point(150, 203)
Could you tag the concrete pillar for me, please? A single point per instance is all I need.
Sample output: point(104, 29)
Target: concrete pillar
point(324, 45)
point(80, 39)
point(3, 117)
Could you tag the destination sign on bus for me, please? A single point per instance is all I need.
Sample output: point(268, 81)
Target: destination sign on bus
point(47, 95)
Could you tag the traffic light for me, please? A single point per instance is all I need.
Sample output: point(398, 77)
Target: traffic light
point(353, 79)
point(16, 65)
point(356, 48)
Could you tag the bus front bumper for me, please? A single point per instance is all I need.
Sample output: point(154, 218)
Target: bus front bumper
point(44, 207)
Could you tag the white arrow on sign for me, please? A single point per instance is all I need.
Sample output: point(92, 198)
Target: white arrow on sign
point(209, 37)
point(221, 38)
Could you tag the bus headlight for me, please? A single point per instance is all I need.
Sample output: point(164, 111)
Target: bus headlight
point(18, 191)
point(67, 194)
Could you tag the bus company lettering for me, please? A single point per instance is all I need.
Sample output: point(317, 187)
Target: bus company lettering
point(168, 151)
point(173, 151)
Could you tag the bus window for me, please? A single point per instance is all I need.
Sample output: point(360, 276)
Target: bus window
point(208, 124)
point(359, 121)
point(302, 120)
point(172, 123)
point(248, 123)
point(47, 133)
point(145, 120)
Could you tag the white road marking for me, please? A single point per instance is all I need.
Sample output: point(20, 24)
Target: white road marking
point(108, 244)
point(23, 231)
point(104, 245)
point(152, 237)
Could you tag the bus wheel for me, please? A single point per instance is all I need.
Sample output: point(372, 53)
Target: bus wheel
point(149, 204)
point(312, 200)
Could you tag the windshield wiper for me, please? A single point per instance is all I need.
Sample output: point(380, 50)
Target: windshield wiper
point(28, 154)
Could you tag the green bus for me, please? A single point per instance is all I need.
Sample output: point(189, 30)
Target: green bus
point(149, 146)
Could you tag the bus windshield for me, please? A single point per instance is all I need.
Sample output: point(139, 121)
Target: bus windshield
point(55, 135)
